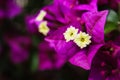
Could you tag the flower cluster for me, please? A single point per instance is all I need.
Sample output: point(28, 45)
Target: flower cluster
point(74, 29)
point(80, 34)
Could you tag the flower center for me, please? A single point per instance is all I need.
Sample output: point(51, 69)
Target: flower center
point(82, 39)
point(71, 34)
point(41, 15)
point(43, 28)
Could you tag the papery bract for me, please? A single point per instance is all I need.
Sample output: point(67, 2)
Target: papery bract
point(48, 59)
point(90, 5)
point(30, 24)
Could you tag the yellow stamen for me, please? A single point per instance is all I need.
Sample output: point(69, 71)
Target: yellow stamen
point(43, 28)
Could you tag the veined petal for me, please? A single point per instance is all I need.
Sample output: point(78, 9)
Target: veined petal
point(92, 51)
point(84, 57)
point(95, 22)
point(80, 59)
point(86, 8)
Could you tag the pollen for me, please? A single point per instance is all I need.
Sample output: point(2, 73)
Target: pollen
point(70, 33)
point(41, 15)
point(43, 28)
point(82, 39)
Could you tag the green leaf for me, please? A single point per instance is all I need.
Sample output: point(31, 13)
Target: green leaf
point(113, 17)
point(110, 26)
point(112, 21)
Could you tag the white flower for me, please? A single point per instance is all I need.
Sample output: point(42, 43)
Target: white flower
point(70, 33)
point(41, 15)
point(82, 39)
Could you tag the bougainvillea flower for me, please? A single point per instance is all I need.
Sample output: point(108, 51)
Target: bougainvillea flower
point(106, 63)
point(59, 14)
point(9, 9)
point(109, 3)
point(19, 48)
point(48, 59)
point(79, 48)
